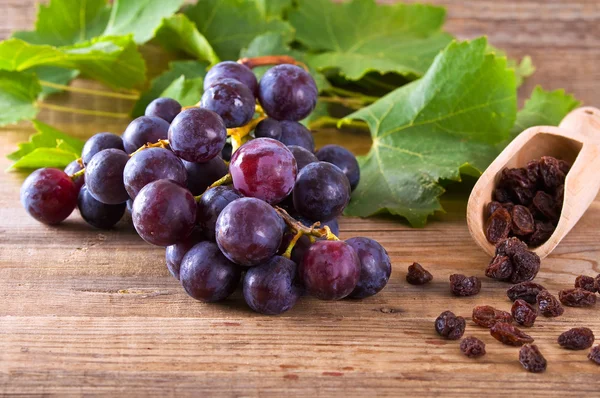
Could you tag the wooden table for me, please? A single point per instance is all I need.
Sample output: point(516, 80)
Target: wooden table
point(84, 311)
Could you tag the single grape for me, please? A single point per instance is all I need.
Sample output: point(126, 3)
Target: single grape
point(294, 133)
point(269, 288)
point(164, 108)
point(268, 128)
point(342, 158)
point(375, 267)
point(104, 176)
point(287, 92)
point(231, 100)
point(231, 70)
point(264, 168)
point(302, 156)
point(174, 253)
point(304, 243)
point(330, 269)
point(49, 195)
point(210, 205)
point(164, 213)
point(98, 214)
point(143, 130)
point(226, 151)
point(249, 231)
point(197, 135)
point(201, 175)
point(73, 168)
point(322, 191)
point(99, 142)
point(152, 164)
point(207, 275)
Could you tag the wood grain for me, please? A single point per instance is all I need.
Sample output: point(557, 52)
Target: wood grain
point(87, 312)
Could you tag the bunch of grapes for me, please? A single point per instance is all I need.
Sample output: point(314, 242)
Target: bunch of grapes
point(259, 211)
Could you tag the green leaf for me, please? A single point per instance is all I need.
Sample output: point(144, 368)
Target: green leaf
point(359, 36)
point(45, 157)
point(18, 94)
point(54, 75)
point(178, 33)
point(432, 128)
point(186, 91)
point(139, 17)
point(230, 25)
point(47, 137)
point(523, 69)
point(189, 69)
point(273, 8)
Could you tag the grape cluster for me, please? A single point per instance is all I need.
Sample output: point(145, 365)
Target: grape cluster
point(265, 220)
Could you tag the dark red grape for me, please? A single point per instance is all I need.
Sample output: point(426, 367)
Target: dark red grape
point(99, 142)
point(49, 195)
point(231, 70)
point(152, 164)
point(210, 205)
point(330, 270)
point(207, 275)
point(302, 156)
point(73, 168)
point(294, 133)
point(231, 100)
point(342, 158)
point(375, 267)
point(143, 130)
point(268, 128)
point(265, 169)
point(269, 288)
point(98, 214)
point(201, 175)
point(249, 231)
point(104, 176)
point(174, 253)
point(287, 92)
point(197, 135)
point(164, 108)
point(164, 213)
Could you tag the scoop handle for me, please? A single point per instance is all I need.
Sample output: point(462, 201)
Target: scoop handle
point(584, 124)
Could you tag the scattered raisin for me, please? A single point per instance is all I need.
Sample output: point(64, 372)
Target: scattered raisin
point(526, 266)
point(498, 226)
point(549, 305)
point(551, 173)
point(472, 347)
point(417, 275)
point(492, 207)
point(509, 334)
point(527, 291)
point(463, 286)
point(522, 221)
point(576, 339)
point(594, 354)
point(586, 283)
point(577, 298)
point(543, 231)
point(523, 313)
point(501, 268)
point(450, 326)
point(487, 316)
point(532, 359)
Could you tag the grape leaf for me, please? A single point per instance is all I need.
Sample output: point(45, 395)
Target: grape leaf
point(432, 128)
point(186, 91)
point(52, 74)
point(523, 69)
point(230, 25)
point(18, 94)
point(273, 8)
point(400, 38)
point(46, 137)
point(45, 157)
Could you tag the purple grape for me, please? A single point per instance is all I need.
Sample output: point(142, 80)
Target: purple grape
point(49, 195)
point(249, 231)
point(268, 128)
point(287, 92)
point(302, 156)
point(73, 168)
point(164, 108)
point(152, 164)
point(174, 253)
point(304, 243)
point(104, 176)
point(330, 270)
point(98, 214)
point(226, 151)
point(201, 175)
point(197, 135)
point(231, 100)
point(231, 70)
point(294, 133)
point(265, 169)
point(210, 205)
point(164, 213)
point(375, 267)
point(342, 158)
point(99, 142)
point(321, 192)
point(207, 275)
point(269, 288)
point(143, 130)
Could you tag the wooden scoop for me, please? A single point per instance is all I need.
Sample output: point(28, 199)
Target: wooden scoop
point(576, 140)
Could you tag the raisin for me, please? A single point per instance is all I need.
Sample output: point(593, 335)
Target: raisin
point(463, 286)
point(559, 197)
point(594, 354)
point(551, 173)
point(491, 208)
point(472, 347)
point(508, 206)
point(526, 266)
point(586, 283)
point(450, 326)
point(564, 166)
point(501, 268)
point(532, 359)
point(548, 305)
point(543, 231)
point(533, 171)
point(417, 275)
point(523, 313)
point(518, 185)
point(577, 298)
point(597, 283)
point(509, 334)
point(576, 339)
point(522, 221)
point(545, 205)
point(509, 247)
point(501, 195)
point(498, 226)
point(487, 316)
point(527, 291)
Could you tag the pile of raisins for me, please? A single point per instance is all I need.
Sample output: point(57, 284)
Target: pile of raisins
point(513, 262)
point(527, 202)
